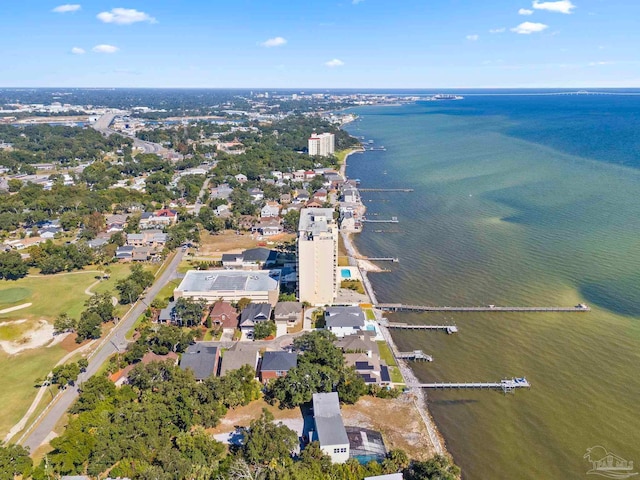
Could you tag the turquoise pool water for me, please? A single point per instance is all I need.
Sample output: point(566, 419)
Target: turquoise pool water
point(345, 273)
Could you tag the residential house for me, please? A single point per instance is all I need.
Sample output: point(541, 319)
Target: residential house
point(313, 204)
point(301, 197)
point(320, 196)
point(251, 259)
point(167, 315)
point(239, 355)
point(202, 360)
point(49, 232)
point(362, 352)
point(223, 191)
point(329, 428)
point(252, 314)
point(271, 209)
point(223, 211)
point(268, 228)
point(298, 176)
point(125, 252)
point(241, 178)
point(287, 314)
point(223, 315)
point(148, 238)
point(160, 218)
point(350, 195)
point(285, 198)
point(141, 254)
point(121, 376)
point(97, 243)
point(256, 194)
point(343, 321)
point(276, 364)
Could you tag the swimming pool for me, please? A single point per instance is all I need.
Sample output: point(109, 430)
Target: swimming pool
point(345, 273)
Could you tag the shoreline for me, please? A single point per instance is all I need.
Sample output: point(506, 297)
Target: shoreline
point(419, 396)
point(343, 164)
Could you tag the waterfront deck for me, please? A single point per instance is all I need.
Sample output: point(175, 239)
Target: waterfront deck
point(398, 307)
point(506, 385)
point(405, 326)
point(415, 355)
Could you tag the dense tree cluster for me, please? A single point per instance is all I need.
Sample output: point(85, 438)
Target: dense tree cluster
point(131, 288)
point(51, 258)
point(12, 267)
point(189, 312)
point(320, 368)
point(55, 143)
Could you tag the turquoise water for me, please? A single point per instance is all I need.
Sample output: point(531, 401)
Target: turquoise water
point(516, 202)
point(345, 273)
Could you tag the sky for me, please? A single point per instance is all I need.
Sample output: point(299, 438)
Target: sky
point(320, 43)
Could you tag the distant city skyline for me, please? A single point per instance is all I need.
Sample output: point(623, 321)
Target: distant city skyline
point(321, 44)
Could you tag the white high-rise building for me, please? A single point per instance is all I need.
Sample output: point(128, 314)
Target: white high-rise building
point(317, 256)
point(322, 144)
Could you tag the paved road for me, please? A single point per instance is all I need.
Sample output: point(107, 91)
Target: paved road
point(102, 125)
point(198, 205)
point(113, 343)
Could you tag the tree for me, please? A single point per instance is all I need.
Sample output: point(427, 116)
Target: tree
point(88, 326)
point(188, 311)
point(14, 461)
point(291, 220)
point(265, 441)
point(242, 303)
point(12, 267)
point(64, 323)
point(264, 329)
point(14, 185)
point(437, 468)
point(64, 375)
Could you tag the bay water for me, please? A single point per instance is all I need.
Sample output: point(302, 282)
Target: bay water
point(517, 201)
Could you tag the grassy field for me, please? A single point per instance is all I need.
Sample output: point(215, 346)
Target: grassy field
point(387, 356)
point(13, 296)
point(50, 296)
point(369, 314)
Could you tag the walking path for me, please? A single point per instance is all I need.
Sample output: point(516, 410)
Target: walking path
point(17, 307)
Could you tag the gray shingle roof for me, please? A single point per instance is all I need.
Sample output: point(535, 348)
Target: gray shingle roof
point(344, 317)
point(255, 312)
point(279, 361)
point(202, 360)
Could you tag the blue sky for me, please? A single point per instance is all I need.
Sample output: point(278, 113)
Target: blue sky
point(320, 43)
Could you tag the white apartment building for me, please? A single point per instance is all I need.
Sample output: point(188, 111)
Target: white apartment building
point(322, 144)
point(317, 256)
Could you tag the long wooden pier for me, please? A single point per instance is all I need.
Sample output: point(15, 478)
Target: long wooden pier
point(403, 190)
point(392, 220)
point(506, 385)
point(398, 307)
point(405, 326)
point(380, 259)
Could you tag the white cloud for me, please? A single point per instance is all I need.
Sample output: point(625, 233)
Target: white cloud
point(78, 51)
point(561, 6)
point(66, 8)
point(600, 64)
point(125, 16)
point(525, 11)
point(274, 42)
point(334, 63)
point(498, 30)
point(473, 38)
point(527, 28)
point(104, 48)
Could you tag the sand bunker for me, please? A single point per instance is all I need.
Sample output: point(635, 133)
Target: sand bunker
point(38, 337)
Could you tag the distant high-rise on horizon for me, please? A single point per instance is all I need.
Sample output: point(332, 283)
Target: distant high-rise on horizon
point(322, 144)
point(317, 256)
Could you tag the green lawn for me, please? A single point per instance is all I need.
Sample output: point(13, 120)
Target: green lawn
point(385, 353)
point(51, 295)
point(396, 376)
point(19, 375)
point(13, 295)
point(369, 314)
